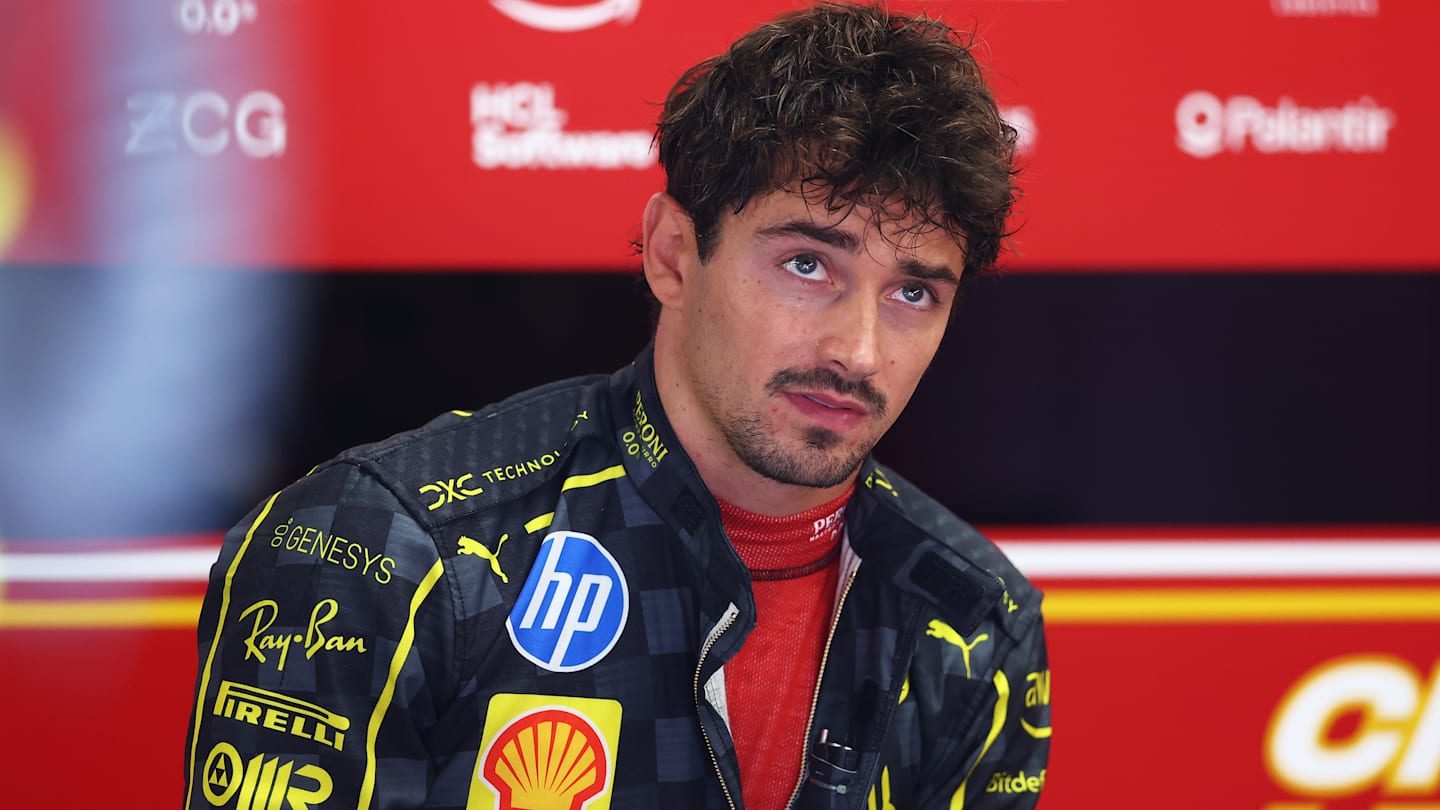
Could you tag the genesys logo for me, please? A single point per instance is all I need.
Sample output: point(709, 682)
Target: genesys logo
point(573, 606)
point(546, 751)
point(519, 126)
point(1325, 8)
point(1207, 125)
point(261, 781)
point(561, 16)
point(1355, 727)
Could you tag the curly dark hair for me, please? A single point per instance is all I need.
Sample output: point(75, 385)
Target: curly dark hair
point(856, 104)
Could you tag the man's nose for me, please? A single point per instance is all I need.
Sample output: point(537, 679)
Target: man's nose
point(850, 343)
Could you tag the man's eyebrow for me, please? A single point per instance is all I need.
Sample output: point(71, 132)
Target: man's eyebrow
point(938, 273)
point(834, 237)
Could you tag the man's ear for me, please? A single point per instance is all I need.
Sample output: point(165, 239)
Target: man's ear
point(669, 254)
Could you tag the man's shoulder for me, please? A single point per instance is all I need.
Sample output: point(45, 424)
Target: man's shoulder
point(949, 536)
point(467, 459)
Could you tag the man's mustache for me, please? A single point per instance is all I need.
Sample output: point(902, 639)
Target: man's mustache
point(823, 379)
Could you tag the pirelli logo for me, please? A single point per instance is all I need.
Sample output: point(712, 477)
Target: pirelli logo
point(282, 713)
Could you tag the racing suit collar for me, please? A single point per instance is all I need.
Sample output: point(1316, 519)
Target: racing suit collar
point(668, 482)
point(651, 452)
point(886, 536)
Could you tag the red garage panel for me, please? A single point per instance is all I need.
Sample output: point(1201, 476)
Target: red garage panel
point(1192, 668)
point(512, 134)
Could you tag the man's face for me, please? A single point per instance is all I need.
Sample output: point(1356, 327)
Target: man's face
point(807, 331)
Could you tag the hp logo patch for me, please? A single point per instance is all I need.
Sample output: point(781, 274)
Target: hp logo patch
point(573, 606)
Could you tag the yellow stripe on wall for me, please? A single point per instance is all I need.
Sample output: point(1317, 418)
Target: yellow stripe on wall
point(171, 611)
point(1062, 606)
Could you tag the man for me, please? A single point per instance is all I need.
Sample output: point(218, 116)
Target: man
point(686, 584)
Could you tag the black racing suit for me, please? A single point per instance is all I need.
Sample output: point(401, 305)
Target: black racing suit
point(531, 606)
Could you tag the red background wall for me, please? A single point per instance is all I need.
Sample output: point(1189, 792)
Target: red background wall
point(332, 138)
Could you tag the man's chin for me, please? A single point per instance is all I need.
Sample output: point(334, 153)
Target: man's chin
point(822, 439)
point(818, 462)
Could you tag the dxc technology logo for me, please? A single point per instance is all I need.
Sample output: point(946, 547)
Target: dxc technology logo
point(573, 606)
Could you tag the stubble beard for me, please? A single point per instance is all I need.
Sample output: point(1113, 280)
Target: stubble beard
point(814, 464)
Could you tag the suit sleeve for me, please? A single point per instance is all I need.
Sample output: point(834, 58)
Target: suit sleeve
point(325, 649)
point(1012, 732)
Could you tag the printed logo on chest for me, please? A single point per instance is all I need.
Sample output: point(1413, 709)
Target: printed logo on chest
point(573, 607)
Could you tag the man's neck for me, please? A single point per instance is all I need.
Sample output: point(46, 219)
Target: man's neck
point(725, 475)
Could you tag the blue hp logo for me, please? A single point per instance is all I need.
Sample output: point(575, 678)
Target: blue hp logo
point(573, 606)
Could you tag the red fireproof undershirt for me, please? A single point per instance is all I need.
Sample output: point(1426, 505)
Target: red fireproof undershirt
point(770, 683)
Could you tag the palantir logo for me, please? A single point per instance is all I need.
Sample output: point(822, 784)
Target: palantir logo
point(1207, 125)
point(573, 607)
point(549, 17)
point(1200, 124)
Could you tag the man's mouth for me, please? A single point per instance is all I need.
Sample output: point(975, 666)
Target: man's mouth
point(827, 391)
point(834, 405)
point(833, 412)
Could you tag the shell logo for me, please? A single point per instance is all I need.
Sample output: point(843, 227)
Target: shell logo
point(547, 756)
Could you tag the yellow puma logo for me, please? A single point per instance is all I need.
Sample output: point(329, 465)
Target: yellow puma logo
point(943, 631)
point(471, 546)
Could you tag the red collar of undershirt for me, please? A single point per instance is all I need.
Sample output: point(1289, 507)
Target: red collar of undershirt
point(789, 546)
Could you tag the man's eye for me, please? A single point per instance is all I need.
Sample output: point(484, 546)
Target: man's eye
point(915, 294)
point(804, 265)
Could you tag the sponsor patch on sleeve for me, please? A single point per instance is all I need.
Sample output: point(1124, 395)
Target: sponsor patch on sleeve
point(546, 751)
point(262, 781)
point(280, 712)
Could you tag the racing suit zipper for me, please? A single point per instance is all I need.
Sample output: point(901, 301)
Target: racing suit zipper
point(815, 699)
point(715, 633)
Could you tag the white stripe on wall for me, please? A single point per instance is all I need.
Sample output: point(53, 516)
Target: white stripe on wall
point(1039, 559)
point(161, 565)
point(1227, 559)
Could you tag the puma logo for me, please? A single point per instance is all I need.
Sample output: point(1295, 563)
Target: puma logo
point(470, 545)
point(945, 632)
